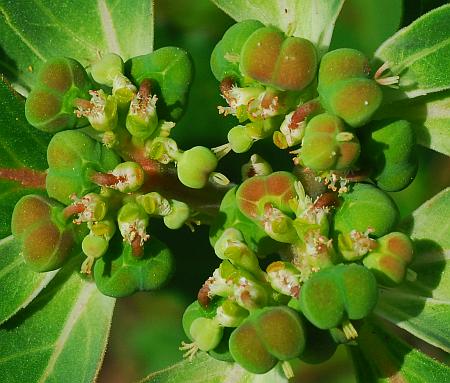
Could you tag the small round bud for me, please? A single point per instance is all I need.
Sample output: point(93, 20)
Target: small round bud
point(94, 246)
point(195, 166)
point(105, 70)
point(239, 139)
point(178, 215)
point(206, 333)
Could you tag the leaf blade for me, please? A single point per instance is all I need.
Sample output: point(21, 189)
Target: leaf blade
point(32, 31)
point(205, 369)
point(70, 317)
point(384, 357)
point(19, 285)
point(418, 52)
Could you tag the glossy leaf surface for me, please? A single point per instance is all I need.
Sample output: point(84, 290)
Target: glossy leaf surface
point(33, 30)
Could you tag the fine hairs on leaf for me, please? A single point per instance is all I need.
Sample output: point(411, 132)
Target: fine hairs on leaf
point(279, 224)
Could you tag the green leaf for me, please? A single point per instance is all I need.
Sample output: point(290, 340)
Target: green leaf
point(60, 336)
point(422, 307)
point(21, 147)
point(383, 357)
point(19, 285)
point(310, 19)
point(33, 30)
point(419, 54)
point(205, 369)
point(429, 116)
point(365, 24)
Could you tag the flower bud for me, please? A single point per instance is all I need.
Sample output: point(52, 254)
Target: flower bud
point(178, 215)
point(142, 119)
point(130, 177)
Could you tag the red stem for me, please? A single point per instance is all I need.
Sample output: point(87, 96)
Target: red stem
point(28, 178)
point(163, 179)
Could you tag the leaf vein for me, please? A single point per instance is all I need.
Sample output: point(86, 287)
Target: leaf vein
point(21, 37)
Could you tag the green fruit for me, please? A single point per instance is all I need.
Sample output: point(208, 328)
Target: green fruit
point(272, 59)
point(389, 261)
point(249, 351)
point(388, 150)
point(239, 139)
point(267, 336)
point(170, 71)
point(342, 64)
point(276, 189)
point(50, 105)
point(230, 217)
point(327, 146)
point(281, 330)
point(194, 311)
point(119, 273)
point(195, 166)
point(354, 100)
point(47, 240)
point(226, 54)
point(337, 293)
point(366, 207)
point(206, 333)
point(72, 156)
